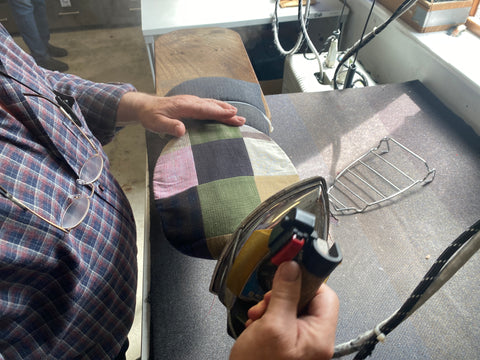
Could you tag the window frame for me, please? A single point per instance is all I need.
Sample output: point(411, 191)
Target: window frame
point(473, 21)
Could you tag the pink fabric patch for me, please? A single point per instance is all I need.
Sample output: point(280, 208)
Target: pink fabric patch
point(174, 172)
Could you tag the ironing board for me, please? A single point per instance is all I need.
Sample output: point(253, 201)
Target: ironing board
point(387, 249)
point(191, 53)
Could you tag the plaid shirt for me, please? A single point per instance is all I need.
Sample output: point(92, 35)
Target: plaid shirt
point(62, 295)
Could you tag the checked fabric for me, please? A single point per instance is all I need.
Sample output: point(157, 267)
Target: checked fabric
point(206, 182)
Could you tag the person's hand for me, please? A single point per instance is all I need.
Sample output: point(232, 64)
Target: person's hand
point(275, 332)
point(165, 114)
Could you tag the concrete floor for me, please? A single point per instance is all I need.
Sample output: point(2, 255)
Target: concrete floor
point(117, 55)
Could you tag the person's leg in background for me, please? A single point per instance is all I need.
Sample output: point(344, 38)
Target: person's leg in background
point(31, 19)
point(40, 14)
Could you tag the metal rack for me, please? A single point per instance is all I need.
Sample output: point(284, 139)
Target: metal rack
point(377, 176)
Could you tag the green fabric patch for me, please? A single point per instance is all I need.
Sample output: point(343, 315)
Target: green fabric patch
point(209, 131)
point(225, 203)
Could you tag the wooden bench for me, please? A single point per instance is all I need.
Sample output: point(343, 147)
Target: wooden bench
point(188, 54)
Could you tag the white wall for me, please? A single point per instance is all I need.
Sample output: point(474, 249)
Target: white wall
point(398, 54)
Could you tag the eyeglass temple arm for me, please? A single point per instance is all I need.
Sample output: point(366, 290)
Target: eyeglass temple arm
point(10, 197)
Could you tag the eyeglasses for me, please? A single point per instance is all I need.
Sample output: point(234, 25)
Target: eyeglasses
point(79, 205)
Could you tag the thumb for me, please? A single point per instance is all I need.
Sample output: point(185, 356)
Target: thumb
point(285, 292)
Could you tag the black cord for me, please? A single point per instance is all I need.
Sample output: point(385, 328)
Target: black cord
point(352, 69)
point(335, 33)
point(405, 5)
point(415, 296)
point(364, 30)
point(339, 20)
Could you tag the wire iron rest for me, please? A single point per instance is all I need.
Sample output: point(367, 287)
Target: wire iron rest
point(377, 176)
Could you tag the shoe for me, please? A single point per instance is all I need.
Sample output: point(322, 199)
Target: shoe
point(52, 64)
point(55, 51)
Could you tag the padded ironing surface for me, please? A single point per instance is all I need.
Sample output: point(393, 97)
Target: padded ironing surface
point(386, 250)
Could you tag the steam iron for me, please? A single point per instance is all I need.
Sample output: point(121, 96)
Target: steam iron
point(291, 225)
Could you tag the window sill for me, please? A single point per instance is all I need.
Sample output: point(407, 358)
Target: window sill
point(447, 65)
point(458, 53)
point(461, 53)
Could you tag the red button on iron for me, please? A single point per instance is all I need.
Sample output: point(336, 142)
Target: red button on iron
point(289, 251)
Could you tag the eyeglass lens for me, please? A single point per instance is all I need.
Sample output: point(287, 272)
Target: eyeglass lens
point(91, 170)
point(78, 208)
point(75, 212)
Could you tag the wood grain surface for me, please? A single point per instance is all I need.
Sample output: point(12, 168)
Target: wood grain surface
point(191, 53)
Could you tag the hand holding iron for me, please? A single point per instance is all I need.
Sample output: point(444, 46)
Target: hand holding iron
point(275, 331)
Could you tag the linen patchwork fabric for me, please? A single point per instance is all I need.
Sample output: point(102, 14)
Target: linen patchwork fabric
point(206, 182)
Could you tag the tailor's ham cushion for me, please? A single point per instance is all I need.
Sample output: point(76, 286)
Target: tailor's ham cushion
point(207, 181)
